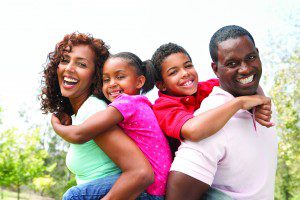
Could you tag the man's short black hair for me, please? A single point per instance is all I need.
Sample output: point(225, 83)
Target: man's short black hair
point(223, 34)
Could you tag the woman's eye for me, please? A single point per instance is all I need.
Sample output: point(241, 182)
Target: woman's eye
point(64, 61)
point(81, 64)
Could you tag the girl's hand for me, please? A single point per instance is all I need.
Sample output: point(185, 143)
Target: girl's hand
point(55, 122)
point(65, 119)
point(263, 115)
point(248, 102)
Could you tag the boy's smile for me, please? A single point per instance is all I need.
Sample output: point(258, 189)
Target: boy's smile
point(179, 76)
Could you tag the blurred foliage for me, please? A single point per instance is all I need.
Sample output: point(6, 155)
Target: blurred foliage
point(286, 97)
point(22, 158)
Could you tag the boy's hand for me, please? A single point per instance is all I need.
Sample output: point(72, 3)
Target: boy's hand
point(248, 102)
point(263, 114)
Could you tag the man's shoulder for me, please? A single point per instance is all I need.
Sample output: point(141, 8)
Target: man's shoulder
point(213, 100)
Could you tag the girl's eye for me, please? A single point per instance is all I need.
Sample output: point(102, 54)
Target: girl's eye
point(105, 80)
point(173, 72)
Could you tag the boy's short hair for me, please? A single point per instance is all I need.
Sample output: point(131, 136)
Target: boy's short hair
point(161, 53)
point(223, 34)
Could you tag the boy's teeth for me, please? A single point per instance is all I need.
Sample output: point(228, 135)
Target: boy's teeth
point(246, 80)
point(70, 80)
point(187, 83)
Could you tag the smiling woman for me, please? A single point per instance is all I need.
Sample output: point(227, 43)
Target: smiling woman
point(71, 86)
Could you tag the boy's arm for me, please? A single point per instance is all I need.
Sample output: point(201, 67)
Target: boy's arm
point(263, 112)
point(137, 173)
point(181, 185)
point(90, 128)
point(211, 121)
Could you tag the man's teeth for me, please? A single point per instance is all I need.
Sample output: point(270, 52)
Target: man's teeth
point(188, 83)
point(71, 80)
point(246, 80)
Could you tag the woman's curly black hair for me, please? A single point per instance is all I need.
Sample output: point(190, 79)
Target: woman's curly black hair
point(51, 98)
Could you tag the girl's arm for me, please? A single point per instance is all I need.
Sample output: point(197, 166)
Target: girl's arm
point(211, 121)
point(137, 173)
point(90, 128)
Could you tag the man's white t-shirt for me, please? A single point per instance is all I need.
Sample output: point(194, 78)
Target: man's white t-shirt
point(239, 160)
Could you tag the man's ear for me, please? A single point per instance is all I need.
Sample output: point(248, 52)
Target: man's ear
point(215, 68)
point(161, 86)
point(140, 81)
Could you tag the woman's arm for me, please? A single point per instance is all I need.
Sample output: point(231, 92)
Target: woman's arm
point(90, 128)
point(137, 173)
point(211, 121)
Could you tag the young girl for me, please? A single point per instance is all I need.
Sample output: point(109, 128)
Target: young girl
point(125, 76)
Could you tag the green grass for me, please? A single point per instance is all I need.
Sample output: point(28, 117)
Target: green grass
point(10, 195)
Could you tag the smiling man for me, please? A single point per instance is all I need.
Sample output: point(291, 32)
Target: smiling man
point(239, 160)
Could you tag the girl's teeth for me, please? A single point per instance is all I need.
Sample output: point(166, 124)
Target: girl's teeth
point(246, 80)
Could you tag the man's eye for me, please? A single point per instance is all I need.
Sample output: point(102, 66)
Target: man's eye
point(252, 57)
point(231, 64)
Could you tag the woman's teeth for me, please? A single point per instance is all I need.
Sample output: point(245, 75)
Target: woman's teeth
point(70, 81)
point(246, 80)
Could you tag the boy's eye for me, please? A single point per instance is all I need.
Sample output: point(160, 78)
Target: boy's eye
point(189, 66)
point(120, 77)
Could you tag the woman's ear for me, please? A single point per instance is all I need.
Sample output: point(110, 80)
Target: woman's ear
point(161, 86)
point(141, 81)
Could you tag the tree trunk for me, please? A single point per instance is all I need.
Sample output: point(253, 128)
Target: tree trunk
point(18, 192)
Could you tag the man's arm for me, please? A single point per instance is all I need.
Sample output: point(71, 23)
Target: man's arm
point(181, 186)
point(137, 173)
point(90, 128)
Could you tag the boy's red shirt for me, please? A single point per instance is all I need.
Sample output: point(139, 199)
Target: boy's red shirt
point(172, 112)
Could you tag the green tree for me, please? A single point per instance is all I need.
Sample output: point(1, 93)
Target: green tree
point(286, 96)
point(22, 158)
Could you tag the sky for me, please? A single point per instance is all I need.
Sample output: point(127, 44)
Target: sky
point(29, 30)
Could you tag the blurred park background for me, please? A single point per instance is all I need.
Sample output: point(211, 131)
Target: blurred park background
point(32, 156)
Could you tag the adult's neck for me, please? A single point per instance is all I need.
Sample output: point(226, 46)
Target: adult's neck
point(77, 102)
